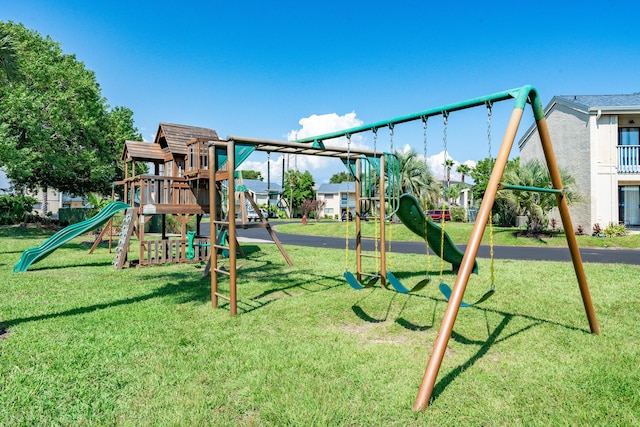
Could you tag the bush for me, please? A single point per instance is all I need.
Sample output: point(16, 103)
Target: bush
point(14, 208)
point(597, 231)
point(458, 214)
point(613, 230)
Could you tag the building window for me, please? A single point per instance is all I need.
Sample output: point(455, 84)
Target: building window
point(629, 136)
point(329, 196)
point(328, 211)
point(629, 204)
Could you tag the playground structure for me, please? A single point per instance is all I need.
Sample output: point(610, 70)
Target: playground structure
point(194, 170)
point(226, 151)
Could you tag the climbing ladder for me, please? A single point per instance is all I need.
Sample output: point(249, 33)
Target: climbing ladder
point(128, 225)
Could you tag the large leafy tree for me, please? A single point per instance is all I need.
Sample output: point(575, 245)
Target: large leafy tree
point(340, 177)
point(298, 187)
point(121, 128)
point(251, 174)
point(481, 174)
point(57, 130)
point(8, 58)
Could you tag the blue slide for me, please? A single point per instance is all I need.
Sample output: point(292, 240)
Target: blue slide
point(33, 255)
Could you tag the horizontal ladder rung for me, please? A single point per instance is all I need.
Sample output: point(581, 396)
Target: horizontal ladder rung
point(224, 297)
point(221, 271)
point(369, 256)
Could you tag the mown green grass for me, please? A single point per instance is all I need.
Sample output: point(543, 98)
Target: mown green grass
point(88, 345)
point(460, 233)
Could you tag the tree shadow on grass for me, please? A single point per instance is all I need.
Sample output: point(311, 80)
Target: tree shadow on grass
point(189, 287)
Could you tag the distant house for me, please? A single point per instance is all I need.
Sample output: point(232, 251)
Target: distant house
point(55, 199)
point(596, 139)
point(339, 198)
point(263, 193)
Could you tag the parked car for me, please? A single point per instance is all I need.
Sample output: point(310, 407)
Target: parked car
point(253, 215)
point(436, 214)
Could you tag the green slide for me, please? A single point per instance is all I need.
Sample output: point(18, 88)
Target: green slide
point(413, 217)
point(63, 236)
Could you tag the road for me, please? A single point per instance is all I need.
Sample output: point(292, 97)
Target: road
point(591, 255)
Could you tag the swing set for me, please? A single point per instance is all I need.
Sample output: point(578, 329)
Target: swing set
point(377, 184)
point(523, 96)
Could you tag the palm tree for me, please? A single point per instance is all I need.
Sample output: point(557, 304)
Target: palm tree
point(535, 205)
point(448, 164)
point(416, 178)
point(463, 170)
point(452, 193)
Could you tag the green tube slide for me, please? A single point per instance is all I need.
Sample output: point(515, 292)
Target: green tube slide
point(414, 218)
point(33, 255)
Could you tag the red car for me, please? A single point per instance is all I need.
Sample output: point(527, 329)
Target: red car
point(436, 215)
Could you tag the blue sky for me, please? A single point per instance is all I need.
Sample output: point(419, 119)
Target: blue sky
point(276, 69)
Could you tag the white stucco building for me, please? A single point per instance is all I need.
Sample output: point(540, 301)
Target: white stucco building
point(339, 198)
point(596, 139)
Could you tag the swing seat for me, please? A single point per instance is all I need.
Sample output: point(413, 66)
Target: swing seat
point(398, 286)
point(446, 291)
point(353, 282)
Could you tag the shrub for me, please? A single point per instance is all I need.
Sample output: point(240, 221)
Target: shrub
point(458, 214)
point(596, 230)
point(613, 230)
point(15, 208)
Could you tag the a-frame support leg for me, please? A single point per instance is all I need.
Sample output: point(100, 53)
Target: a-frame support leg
point(466, 267)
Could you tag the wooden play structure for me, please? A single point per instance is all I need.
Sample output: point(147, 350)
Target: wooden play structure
point(178, 186)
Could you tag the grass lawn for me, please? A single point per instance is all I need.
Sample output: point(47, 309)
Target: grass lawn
point(460, 233)
point(84, 344)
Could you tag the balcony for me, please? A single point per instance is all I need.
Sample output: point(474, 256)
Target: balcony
point(628, 158)
point(161, 194)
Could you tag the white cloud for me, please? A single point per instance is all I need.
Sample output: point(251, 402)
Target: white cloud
point(436, 164)
point(321, 167)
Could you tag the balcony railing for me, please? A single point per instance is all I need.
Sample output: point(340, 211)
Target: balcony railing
point(155, 189)
point(628, 158)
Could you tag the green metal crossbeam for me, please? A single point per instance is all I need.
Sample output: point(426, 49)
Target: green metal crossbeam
point(502, 186)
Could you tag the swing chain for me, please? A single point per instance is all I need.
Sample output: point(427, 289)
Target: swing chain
point(424, 135)
point(489, 114)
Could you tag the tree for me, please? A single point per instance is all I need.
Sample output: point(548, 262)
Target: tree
point(480, 175)
point(416, 178)
point(298, 187)
point(536, 205)
point(452, 193)
point(463, 170)
point(121, 128)
point(339, 177)
point(251, 174)
point(56, 129)
point(8, 58)
point(448, 164)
